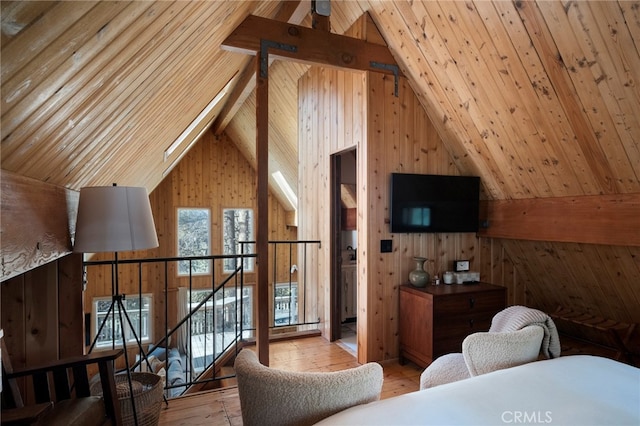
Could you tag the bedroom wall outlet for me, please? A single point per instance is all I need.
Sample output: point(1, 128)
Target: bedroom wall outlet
point(386, 246)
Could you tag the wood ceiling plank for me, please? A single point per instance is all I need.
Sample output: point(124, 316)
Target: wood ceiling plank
point(160, 83)
point(40, 33)
point(552, 173)
point(101, 82)
point(436, 93)
point(15, 16)
point(547, 47)
point(541, 104)
point(283, 122)
point(470, 105)
point(41, 106)
point(492, 95)
point(147, 81)
point(631, 15)
point(312, 46)
point(616, 74)
point(598, 85)
point(27, 83)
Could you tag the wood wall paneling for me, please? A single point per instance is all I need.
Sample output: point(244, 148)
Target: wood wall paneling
point(41, 314)
point(214, 174)
point(320, 137)
point(401, 138)
point(397, 136)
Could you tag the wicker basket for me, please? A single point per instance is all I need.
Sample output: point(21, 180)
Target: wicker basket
point(147, 394)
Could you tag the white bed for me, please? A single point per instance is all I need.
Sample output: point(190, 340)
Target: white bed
point(571, 390)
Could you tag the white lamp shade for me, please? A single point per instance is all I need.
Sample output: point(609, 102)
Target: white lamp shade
point(114, 218)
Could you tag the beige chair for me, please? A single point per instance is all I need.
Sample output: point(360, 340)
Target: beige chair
point(270, 396)
point(485, 352)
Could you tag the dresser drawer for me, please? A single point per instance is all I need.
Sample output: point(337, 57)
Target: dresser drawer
point(463, 304)
point(434, 320)
point(459, 327)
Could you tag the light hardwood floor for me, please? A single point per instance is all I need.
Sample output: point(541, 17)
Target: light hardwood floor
point(222, 407)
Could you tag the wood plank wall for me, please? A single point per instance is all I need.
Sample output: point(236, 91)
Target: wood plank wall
point(401, 138)
point(340, 110)
point(331, 113)
point(42, 312)
point(213, 175)
point(597, 279)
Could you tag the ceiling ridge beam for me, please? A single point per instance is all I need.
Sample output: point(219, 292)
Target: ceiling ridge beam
point(290, 11)
point(313, 46)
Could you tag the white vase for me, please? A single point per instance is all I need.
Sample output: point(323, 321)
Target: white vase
point(448, 277)
point(419, 277)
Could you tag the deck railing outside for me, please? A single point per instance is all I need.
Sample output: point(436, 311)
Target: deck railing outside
point(212, 320)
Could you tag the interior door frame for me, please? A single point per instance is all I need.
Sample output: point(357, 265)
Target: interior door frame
point(335, 293)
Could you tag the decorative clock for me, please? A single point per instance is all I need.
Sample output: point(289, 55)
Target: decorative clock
point(460, 265)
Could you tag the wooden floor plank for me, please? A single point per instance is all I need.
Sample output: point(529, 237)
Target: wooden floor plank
point(222, 407)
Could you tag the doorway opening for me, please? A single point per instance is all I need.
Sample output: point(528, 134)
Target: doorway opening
point(344, 292)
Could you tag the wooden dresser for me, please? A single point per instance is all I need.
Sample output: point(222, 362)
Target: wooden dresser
point(434, 320)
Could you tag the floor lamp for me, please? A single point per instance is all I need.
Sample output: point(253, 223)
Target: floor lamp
point(113, 219)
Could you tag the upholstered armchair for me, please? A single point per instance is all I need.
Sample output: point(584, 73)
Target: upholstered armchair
point(482, 353)
point(270, 396)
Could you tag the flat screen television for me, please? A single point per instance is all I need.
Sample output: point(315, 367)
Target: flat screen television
point(434, 203)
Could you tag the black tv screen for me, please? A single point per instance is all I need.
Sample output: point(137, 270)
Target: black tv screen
point(434, 203)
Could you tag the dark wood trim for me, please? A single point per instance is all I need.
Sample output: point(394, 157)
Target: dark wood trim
point(594, 219)
point(290, 11)
point(335, 249)
point(262, 214)
point(312, 46)
point(38, 220)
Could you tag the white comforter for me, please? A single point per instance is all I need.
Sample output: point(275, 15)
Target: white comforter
point(572, 390)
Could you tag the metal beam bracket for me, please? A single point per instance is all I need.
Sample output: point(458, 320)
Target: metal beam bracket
point(395, 70)
point(265, 45)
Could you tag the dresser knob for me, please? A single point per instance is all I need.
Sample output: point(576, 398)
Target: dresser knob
point(472, 302)
point(471, 323)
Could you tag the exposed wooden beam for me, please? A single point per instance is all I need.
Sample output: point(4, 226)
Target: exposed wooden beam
point(37, 221)
point(311, 46)
point(292, 12)
point(320, 22)
point(596, 219)
point(262, 234)
point(243, 88)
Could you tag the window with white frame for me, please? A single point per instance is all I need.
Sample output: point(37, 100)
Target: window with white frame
point(286, 304)
point(237, 228)
point(139, 311)
point(194, 239)
point(220, 313)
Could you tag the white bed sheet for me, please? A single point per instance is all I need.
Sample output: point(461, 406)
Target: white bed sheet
point(576, 390)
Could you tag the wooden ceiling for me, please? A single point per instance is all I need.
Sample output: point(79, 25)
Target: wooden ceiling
point(538, 98)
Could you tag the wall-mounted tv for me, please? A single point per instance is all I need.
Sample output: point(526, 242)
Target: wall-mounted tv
point(434, 203)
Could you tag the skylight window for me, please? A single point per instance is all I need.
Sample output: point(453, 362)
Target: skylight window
point(286, 189)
